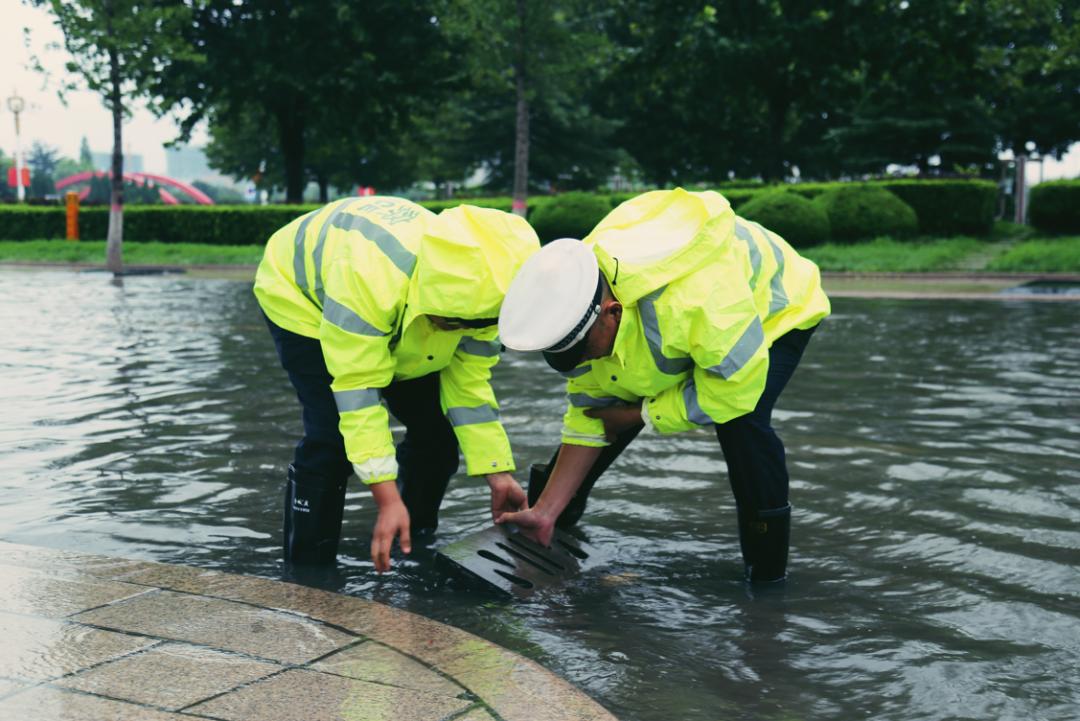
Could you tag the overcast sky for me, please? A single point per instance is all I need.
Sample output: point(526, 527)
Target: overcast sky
point(46, 119)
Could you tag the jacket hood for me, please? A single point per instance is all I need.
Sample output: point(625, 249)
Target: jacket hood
point(467, 258)
point(658, 237)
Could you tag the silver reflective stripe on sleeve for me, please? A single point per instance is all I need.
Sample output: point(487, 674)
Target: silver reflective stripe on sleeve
point(486, 348)
point(582, 400)
point(693, 409)
point(467, 416)
point(299, 255)
point(742, 232)
point(347, 319)
point(647, 309)
point(743, 350)
point(576, 372)
point(779, 295)
point(355, 400)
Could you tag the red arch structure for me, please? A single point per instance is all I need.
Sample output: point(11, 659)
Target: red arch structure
point(141, 179)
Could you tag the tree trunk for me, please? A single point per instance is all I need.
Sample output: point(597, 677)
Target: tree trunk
point(774, 155)
point(114, 259)
point(521, 132)
point(291, 134)
point(324, 190)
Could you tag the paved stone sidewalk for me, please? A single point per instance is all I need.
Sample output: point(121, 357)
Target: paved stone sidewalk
point(91, 638)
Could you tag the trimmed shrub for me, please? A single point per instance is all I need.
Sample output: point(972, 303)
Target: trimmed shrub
point(1054, 207)
point(949, 207)
point(798, 220)
point(571, 215)
point(503, 203)
point(858, 211)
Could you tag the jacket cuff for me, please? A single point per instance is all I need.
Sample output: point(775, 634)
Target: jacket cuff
point(376, 470)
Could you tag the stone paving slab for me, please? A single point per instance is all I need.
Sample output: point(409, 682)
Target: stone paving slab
point(94, 637)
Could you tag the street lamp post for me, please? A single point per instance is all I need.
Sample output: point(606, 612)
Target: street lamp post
point(16, 105)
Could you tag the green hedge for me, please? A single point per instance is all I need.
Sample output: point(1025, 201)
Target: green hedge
point(949, 207)
point(942, 208)
point(1054, 207)
point(799, 221)
point(570, 215)
point(860, 210)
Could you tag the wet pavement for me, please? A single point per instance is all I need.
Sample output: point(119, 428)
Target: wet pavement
point(95, 637)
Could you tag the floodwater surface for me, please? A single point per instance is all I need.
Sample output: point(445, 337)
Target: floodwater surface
point(934, 449)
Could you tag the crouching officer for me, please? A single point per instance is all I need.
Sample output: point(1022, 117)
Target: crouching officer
point(672, 314)
point(376, 305)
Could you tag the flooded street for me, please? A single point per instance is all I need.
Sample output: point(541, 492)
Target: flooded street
point(934, 449)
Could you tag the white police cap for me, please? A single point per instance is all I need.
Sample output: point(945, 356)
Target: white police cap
point(552, 302)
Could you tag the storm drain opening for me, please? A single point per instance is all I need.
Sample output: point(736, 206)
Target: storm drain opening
point(484, 553)
point(508, 562)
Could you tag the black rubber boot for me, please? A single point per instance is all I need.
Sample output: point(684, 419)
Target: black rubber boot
point(422, 501)
point(538, 478)
point(313, 511)
point(764, 538)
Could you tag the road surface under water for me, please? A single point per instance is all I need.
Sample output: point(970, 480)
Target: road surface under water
point(934, 448)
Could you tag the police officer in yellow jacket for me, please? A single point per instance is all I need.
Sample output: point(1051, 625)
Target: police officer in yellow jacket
point(672, 314)
point(375, 301)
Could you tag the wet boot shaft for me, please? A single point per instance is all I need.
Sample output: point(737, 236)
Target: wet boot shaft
point(313, 512)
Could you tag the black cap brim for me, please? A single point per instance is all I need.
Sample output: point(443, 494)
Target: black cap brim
point(568, 359)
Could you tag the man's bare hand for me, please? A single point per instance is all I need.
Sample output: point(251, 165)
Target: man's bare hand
point(534, 524)
point(506, 494)
point(616, 419)
point(393, 521)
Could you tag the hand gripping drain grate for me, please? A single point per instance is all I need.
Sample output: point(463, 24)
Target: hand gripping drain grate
point(502, 558)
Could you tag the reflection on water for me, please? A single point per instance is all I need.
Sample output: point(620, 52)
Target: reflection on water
point(935, 457)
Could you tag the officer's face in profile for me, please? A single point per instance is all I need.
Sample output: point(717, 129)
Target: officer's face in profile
point(600, 340)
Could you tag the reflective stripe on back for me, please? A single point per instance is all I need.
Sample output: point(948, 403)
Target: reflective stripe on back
point(355, 400)
point(398, 254)
point(467, 416)
point(386, 241)
point(649, 322)
point(316, 254)
point(743, 350)
point(348, 320)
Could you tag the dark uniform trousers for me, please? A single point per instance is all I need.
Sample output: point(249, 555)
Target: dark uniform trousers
point(427, 457)
point(756, 465)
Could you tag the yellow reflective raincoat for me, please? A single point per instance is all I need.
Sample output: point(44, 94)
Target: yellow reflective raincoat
point(704, 293)
point(362, 275)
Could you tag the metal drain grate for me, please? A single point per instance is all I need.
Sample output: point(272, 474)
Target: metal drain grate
point(502, 558)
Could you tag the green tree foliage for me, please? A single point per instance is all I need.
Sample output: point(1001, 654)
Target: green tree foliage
point(1031, 63)
point(707, 90)
point(337, 76)
point(118, 48)
point(549, 54)
point(7, 193)
point(86, 158)
point(43, 162)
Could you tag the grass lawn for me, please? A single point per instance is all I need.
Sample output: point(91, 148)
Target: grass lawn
point(996, 254)
point(1040, 255)
point(135, 253)
point(1009, 249)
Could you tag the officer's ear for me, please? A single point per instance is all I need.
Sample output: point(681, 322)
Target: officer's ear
point(612, 308)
